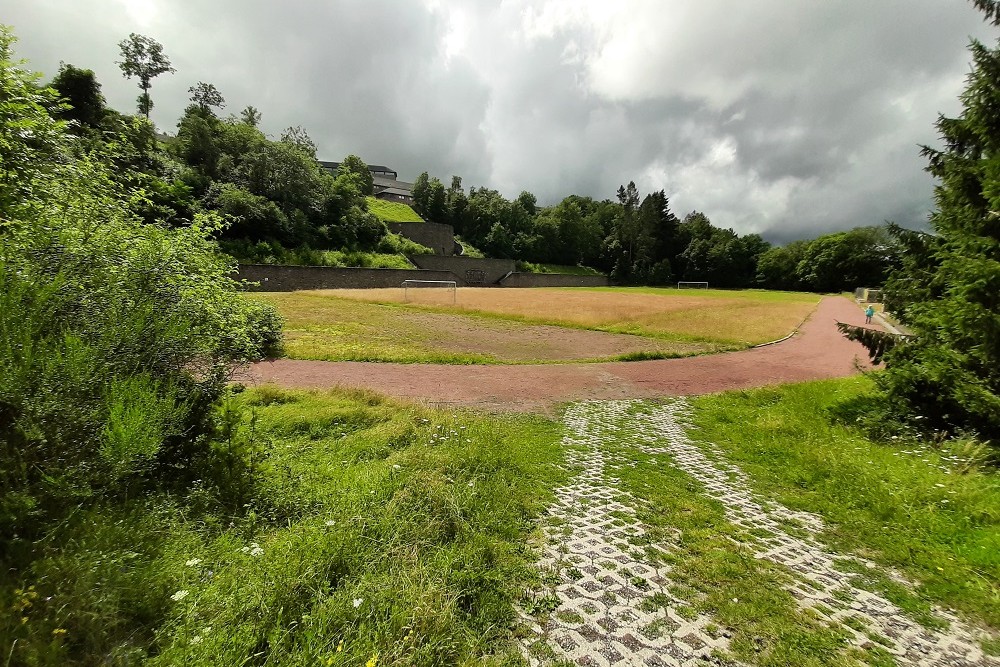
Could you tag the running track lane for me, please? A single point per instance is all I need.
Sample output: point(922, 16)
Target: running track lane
point(817, 351)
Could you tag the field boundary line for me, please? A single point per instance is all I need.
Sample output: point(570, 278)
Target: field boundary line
point(795, 330)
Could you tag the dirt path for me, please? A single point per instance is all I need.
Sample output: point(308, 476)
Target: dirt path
point(817, 351)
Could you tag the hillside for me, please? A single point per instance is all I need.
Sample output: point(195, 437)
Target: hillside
point(389, 211)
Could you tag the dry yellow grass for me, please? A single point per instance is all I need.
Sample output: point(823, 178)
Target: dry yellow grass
point(732, 318)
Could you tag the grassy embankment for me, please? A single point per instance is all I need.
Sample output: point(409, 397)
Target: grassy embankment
point(563, 269)
point(375, 325)
point(371, 529)
point(390, 211)
point(928, 512)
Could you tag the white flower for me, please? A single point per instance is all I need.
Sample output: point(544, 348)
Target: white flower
point(331, 522)
point(196, 639)
point(256, 551)
point(179, 595)
point(470, 483)
point(192, 562)
point(395, 466)
point(357, 602)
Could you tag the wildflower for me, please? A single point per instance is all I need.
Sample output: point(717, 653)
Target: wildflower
point(331, 522)
point(256, 551)
point(192, 562)
point(179, 595)
point(395, 466)
point(357, 602)
point(372, 661)
point(196, 639)
point(59, 631)
point(340, 646)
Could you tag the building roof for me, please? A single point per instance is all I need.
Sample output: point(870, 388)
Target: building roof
point(383, 182)
point(399, 192)
point(334, 166)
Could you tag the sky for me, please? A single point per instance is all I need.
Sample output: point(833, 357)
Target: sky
point(788, 118)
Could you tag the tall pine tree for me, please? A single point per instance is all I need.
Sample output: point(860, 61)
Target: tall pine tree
point(949, 376)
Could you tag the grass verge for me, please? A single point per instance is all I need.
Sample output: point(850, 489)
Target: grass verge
point(920, 508)
point(374, 533)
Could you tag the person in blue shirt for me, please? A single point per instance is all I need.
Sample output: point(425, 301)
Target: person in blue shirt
point(869, 311)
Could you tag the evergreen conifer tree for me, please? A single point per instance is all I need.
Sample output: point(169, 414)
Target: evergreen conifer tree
point(949, 376)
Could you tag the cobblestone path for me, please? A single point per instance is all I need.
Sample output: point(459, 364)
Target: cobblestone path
point(611, 604)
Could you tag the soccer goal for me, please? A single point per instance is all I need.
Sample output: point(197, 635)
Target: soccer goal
point(446, 285)
point(692, 284)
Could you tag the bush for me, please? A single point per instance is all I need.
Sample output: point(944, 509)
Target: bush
point(116, 336)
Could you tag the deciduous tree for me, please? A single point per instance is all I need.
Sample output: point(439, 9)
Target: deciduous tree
point(143, 58)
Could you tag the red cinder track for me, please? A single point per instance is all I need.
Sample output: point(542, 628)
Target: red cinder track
point(817, 351)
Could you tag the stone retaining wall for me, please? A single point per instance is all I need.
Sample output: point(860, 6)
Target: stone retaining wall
point(553, 280)
point(436, 236)
point(470, 270)
point(285, 278)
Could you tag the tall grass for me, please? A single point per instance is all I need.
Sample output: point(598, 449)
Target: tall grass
point(371, 529)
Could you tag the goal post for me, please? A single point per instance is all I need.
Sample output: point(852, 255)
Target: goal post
point(448, 285)
point(692, 284)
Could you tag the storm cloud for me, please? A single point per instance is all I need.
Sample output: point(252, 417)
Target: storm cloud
point(781, 117)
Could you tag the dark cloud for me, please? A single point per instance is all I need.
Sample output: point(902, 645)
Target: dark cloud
point(785, 118)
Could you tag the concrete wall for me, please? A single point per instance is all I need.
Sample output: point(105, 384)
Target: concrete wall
point(553, 280)
point(439, 238)
point(283, 278)
point(469, 270)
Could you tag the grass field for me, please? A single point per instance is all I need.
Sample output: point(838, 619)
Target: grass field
point(390, 211)
point(490, 325)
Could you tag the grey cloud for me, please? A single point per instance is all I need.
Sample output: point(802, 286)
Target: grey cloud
point(786, 118)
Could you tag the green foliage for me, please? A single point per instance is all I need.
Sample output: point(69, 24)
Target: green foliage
point(353, 165)
point(389, 254)
point(950, 375)
point(207, 97)
point(370, 527)
point(876, 341)
point(79, 90)
point(115, 335)
point(143, 58)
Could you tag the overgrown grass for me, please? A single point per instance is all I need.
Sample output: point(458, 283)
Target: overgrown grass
point(389, 211)
point(558, 268)
point(924, 509)
point(372, 529)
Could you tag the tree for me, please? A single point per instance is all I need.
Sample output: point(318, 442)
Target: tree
point(30, 139)
point(143, 57)
point(79, 89)
point(352, 164)
point(298, 137)
point(949, 376)
point(251, 116)
point(421, 193)
point(207, 97)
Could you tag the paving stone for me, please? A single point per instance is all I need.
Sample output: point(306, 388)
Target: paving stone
point(591, 510)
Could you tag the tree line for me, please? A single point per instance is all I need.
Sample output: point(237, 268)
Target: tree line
point(640, 240)
point(275, 195)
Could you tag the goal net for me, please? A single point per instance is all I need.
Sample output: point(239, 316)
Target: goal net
point(692, 284)
point(430, 290)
